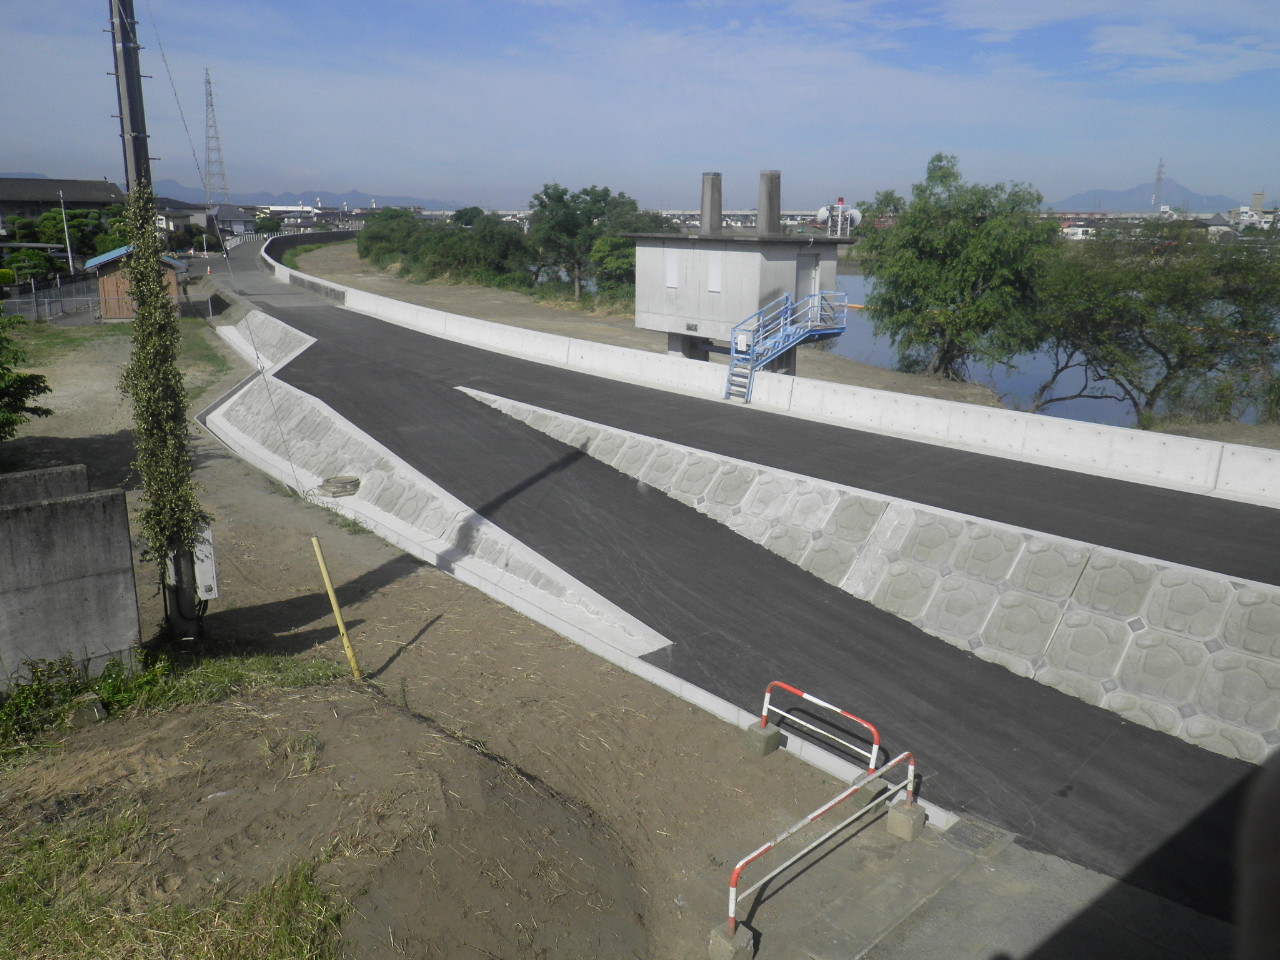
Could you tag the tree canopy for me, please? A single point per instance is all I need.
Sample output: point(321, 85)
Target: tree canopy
point(17, 390)
point(954, 269)
point(565, 228)
point(1177, 322)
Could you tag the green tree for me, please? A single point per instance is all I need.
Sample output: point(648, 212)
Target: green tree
point(954, 275)
point(172, 517)
point(31, 265)
point(1176, 322)
point(268, 224)
point(564, 227)
point(467, 216)
point(17, 390)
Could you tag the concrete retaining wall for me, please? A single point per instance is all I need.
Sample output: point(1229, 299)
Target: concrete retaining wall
point(66, 579)
point(300, 441)
point(1228, 470)
point(1185, 651)
point(27, 485)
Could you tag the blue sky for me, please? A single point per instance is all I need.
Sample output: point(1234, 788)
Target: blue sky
point(483, 101)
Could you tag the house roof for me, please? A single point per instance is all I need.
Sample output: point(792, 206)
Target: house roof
point(224, 212)
point(40, 190)
point(118, 252)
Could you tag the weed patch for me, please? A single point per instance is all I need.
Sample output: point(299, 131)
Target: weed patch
point(62, 896)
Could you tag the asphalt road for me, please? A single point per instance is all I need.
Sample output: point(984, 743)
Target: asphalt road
point(1070, 779)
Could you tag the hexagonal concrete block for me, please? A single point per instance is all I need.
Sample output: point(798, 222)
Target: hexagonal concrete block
point(1253, 622)
point(697, 474)
point(634, 456)
point(1187, 603)
point(810, 505)
point(1072, 684)
point(754, 529)
point(1225, 739)
point(1242, 690)
point(1157, 716)
point(1014, 663)
point(606, 447)
point(542, 421)
point(1021, 624)
point(770, 495)
point(932, 539)
point(830, 560)
point(663, 467)
point(905, 589)
point(788, 542)
point(959, 608)
point(865, 574)
point(1088, 645)
point(987, 553)
point(1161, 665)
point(582, 435)
point(1049, 568)
point(1114, 585)
point(731, 484)
point(853, 517)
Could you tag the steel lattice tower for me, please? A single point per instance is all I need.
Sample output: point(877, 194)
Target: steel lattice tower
point(215, 174)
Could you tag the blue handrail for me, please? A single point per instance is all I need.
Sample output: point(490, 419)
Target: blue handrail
point(776, 328)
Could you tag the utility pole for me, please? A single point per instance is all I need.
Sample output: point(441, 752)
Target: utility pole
point(128, 74)
point(66, 235)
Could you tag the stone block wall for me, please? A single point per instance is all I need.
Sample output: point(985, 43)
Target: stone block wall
point(1188, 652)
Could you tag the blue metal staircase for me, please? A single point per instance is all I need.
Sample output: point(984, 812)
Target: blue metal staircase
point(775, 329)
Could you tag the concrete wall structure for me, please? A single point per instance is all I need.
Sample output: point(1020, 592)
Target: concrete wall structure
point(1187, 652)
point(301, 442)
point(66, 577)
point(46, 484)
point(1249, 474)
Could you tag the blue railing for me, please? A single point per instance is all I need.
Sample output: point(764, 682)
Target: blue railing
point(777, 327)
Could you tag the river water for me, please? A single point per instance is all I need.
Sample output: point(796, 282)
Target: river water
point(1015, 386)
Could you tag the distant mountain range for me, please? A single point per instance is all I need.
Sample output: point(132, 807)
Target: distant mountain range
point(352, 198)
point(1138, 200)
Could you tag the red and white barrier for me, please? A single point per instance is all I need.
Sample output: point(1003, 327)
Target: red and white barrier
point(871, 755)
point(907, 786)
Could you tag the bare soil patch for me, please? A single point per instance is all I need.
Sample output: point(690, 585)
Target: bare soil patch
point(496, 791)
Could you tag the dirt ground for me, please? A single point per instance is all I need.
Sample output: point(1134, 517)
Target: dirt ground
point(494, 791)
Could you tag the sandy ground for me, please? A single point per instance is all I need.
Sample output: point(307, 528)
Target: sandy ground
point(495, 791)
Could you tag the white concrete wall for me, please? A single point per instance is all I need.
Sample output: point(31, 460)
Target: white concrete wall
point(1231, 471)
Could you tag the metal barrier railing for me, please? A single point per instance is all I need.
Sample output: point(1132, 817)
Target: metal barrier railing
point(871, 755)
point(907, 786)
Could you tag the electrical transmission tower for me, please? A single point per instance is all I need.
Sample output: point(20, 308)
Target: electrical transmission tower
point(215, 174)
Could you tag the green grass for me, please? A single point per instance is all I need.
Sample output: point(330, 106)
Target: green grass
point(42, 704)
point(44, 343)
point(61, 898)
point(290, 258)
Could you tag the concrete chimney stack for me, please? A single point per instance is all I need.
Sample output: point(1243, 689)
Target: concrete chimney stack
point(769, 208)
point(712, 219)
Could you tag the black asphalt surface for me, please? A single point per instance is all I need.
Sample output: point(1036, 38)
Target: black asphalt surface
point(1069, 779)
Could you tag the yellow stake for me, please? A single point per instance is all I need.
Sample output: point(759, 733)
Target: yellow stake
point(337, 614)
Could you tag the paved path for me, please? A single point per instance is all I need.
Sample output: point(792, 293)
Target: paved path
point(1067, 778)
